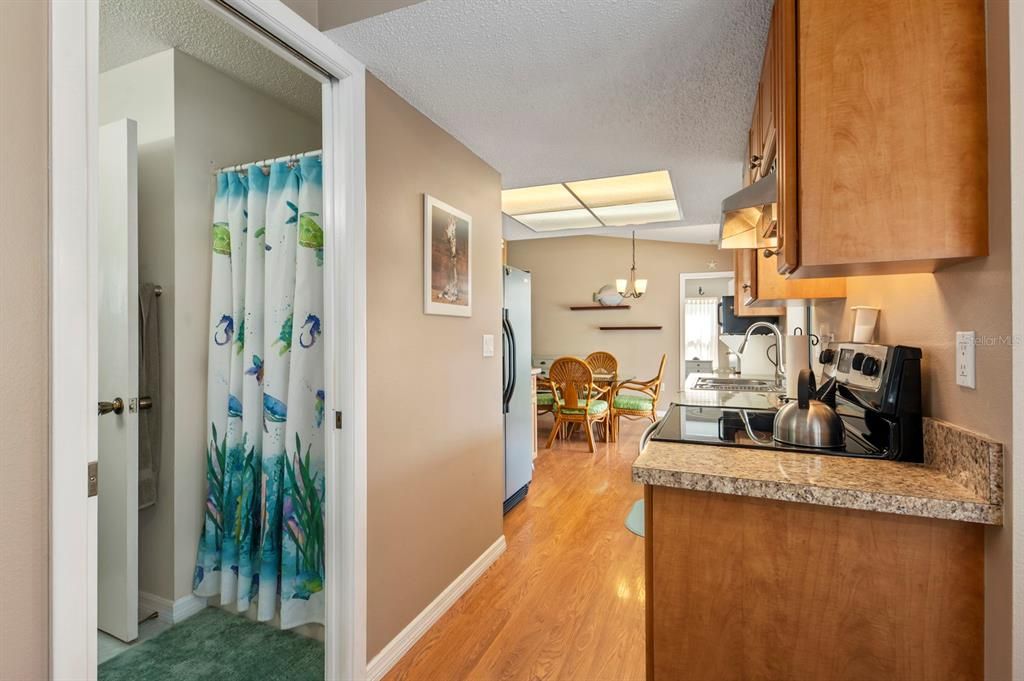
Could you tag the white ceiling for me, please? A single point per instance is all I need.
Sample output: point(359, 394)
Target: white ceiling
point(133, 29)
point(555, 90)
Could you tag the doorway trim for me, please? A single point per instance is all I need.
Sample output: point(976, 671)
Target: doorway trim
point(683, 276)
point(74, 119)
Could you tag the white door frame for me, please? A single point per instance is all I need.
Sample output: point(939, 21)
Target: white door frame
point(683, 276)
point(74, 69)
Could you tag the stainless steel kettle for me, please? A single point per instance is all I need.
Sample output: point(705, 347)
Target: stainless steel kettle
point(808, 422)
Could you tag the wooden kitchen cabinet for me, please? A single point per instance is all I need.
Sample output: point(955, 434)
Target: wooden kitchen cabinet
point(891, 141)
point(761, 290)
point(746, 303)
point(745, 588)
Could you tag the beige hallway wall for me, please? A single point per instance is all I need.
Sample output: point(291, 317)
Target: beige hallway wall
point(568, 270)
point(24, 341)
point(435, 444)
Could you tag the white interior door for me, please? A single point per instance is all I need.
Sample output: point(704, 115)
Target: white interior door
point(118, 330)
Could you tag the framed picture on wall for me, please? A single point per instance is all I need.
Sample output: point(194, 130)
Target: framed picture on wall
point(447, 270)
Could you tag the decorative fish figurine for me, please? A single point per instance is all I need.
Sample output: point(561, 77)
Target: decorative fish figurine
point(256, 369)
point(224, 330)
point(310, 331)
point(318, 408)
point(274, 410)
point(234, 407)
point(221, 238)
point(285, 337)
point(311, 235)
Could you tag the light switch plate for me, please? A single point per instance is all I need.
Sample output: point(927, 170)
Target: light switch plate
point(488, 345)
point(965, 359)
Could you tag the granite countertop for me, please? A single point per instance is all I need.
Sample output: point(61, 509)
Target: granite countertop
point(961, 479)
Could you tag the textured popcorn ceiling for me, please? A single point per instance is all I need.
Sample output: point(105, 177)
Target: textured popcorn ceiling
point(133, 29)
point(554, 90)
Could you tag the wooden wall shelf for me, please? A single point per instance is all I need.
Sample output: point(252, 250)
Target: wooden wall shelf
point(599, 307)
point(642, 327)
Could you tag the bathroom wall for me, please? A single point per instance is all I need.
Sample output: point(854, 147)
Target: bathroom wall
point(192, 120)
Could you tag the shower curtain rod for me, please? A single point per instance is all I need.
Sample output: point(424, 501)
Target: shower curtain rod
point(267, 162)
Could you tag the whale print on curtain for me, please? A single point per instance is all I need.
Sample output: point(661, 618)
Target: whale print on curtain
point(263, 533)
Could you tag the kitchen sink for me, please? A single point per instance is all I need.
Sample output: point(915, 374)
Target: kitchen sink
point(726, 383)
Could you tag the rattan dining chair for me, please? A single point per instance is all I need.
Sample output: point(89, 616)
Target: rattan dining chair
point(604, 363)
point(640, 400)
point(572, 382)
point(545, 397)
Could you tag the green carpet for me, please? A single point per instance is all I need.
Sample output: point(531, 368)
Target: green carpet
point(219, 646)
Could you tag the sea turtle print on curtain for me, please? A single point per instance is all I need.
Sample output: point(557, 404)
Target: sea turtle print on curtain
point(263, 534)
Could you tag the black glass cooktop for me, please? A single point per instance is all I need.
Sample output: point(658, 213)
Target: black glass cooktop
point(753, 428)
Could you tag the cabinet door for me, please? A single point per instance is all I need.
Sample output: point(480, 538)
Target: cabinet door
point(744, 279)
point(893, 135)
point(770, 287)
point(766, 98)
point(746, 286)
point(782, 36)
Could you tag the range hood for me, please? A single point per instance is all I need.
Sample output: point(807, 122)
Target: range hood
point(749, 216)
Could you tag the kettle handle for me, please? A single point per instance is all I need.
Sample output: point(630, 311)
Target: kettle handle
point(805, 387)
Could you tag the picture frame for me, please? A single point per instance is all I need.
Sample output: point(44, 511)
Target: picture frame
point(447, 259)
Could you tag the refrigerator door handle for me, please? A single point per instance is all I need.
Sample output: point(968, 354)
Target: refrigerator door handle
point(512, 365)
point(506, 354)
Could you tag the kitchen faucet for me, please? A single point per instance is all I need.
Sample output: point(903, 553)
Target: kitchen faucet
point(780, 370)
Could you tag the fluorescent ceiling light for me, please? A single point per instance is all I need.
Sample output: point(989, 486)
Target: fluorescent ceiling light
point(638, 213)
point(613, 191)
point(540, 199)
point(562, 219)
point(637, 199)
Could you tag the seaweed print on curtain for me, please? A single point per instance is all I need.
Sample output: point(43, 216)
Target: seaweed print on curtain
point(263, 533)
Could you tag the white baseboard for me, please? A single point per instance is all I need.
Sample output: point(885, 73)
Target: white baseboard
point(400, 645)
point(169, 611)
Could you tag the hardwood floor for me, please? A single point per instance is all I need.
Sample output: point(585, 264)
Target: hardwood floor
point(566, 600)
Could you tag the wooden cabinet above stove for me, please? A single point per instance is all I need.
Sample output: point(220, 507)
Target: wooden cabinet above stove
point(875, 120)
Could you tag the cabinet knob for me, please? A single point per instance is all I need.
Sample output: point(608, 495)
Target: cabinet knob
point(755, 161)
point(746, 287)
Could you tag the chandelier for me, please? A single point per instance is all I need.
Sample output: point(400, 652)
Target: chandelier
point(633, 287)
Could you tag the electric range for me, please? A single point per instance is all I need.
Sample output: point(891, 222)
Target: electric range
point(875, 389)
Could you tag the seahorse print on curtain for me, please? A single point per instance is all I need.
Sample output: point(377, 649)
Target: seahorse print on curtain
point(263, 535)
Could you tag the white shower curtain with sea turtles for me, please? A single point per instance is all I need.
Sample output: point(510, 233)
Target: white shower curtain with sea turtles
point(263, 532)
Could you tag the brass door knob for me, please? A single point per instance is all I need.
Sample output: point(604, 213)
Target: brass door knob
point(117, 406)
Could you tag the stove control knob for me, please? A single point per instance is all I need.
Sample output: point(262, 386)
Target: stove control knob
point(869, 367)
point(827, 356)
point(858, 361)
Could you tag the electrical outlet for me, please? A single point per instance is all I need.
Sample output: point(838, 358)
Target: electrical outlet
point(965, 359)
point(488, 345)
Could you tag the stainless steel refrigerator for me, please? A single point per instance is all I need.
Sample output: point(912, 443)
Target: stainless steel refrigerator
point(516, 399)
